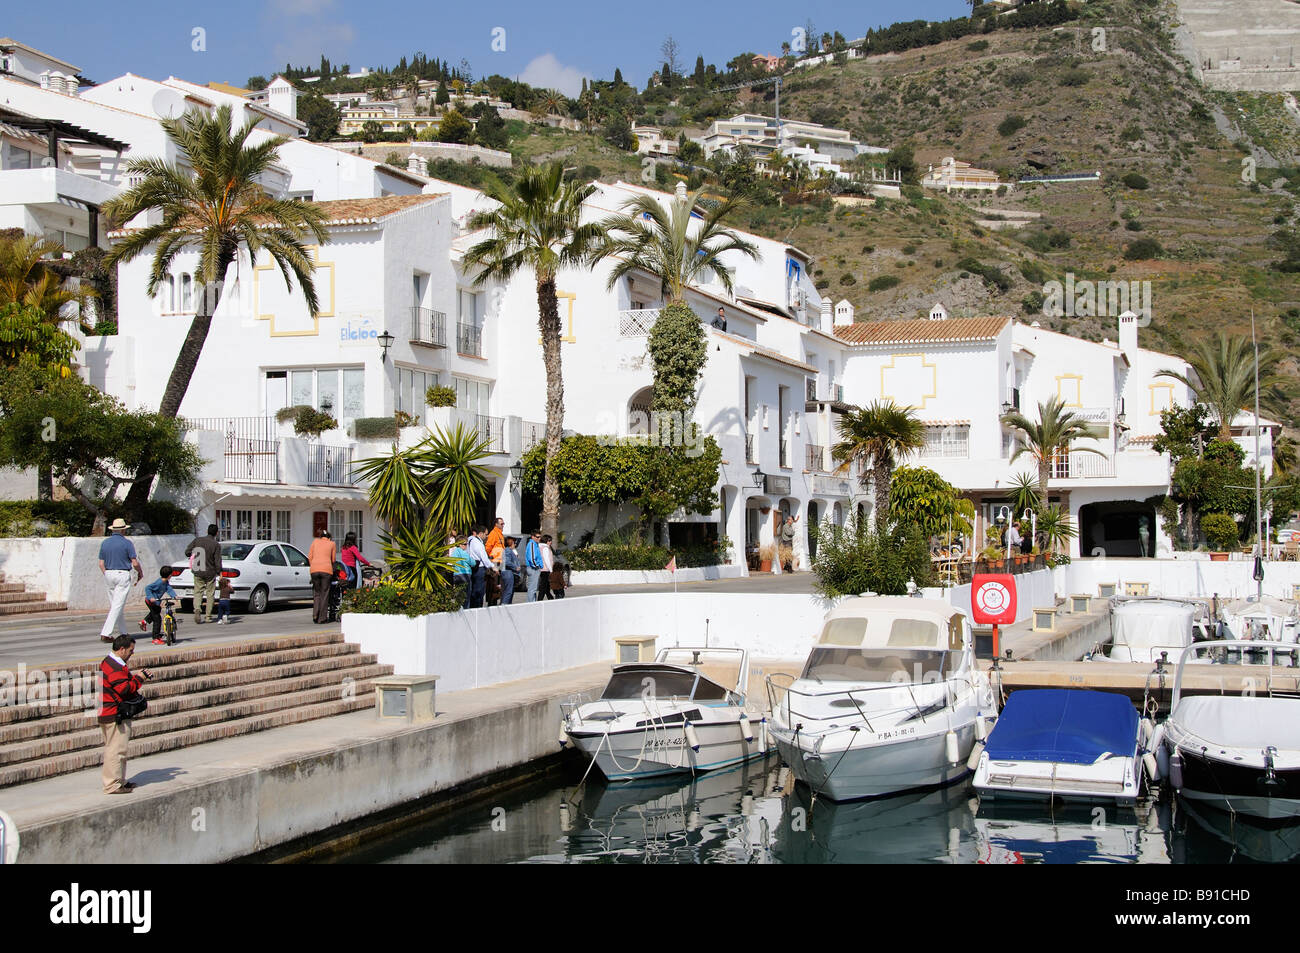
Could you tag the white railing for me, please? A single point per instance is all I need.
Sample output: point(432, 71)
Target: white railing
point(531, 432)
point(637, 324)
point(1082, 466)
point(947, 441)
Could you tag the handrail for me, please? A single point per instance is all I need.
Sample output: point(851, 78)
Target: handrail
point(850, 693)
point(1254, 644)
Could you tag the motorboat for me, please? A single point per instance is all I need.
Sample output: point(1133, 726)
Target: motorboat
point(1261, 619)
point(1239, 753)
point(1072, 744)
point(889, 700)
point(684, 712)
point(1142, 629)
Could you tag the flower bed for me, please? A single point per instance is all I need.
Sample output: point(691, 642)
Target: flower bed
point(388, 598)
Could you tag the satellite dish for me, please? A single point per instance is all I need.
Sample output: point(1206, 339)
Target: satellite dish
point(168, 103)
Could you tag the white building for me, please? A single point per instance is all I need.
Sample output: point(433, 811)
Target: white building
point(952, 174)
point(24, 64)
point(761, 136)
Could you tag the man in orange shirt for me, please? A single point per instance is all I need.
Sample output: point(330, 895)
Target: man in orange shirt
point(496, 541)
point(321, 560)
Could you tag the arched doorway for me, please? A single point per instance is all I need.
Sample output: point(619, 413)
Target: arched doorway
point(638, 412)
point(1117, 528)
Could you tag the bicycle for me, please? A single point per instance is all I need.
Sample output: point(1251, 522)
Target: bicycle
point(169, 622)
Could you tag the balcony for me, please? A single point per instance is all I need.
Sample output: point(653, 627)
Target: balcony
point(824, 484)
point(1082, 466)
point(428, 327)
point(252, 461)
point(531, 432)
point(637, 323)
point(492, 430)
point(469, 340)
point(329, 465)
point(816, 456)
point(832, 394)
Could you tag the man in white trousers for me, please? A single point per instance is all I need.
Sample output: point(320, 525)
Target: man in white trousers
point(117, 560)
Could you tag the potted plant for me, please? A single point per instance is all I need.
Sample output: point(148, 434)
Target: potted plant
point(766, 553)
point(1221, 533)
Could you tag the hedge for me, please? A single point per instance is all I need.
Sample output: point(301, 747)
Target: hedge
point(388, 598)
point(70, 518)
point(364, 427)
point(613, 556)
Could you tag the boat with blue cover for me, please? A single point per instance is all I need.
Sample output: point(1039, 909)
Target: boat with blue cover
point(1072, 744)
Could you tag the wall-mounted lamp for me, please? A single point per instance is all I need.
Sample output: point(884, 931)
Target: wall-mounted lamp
point(760, 479)
point(385, 342)
point(517, 475)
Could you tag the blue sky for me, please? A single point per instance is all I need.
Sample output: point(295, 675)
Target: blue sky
point(545, 43)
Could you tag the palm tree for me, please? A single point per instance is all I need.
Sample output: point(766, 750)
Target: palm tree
point(549, 102)
point(1025, 493)
point(1223, 377)
point(658, 241)
point(27, 278)
point(1055, 430)
point(539, 227)
point(878, 438)
point(215, 208)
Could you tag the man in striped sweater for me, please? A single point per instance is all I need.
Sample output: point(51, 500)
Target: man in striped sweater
point(117, 683)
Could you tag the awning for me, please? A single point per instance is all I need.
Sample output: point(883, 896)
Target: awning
point(288, 491)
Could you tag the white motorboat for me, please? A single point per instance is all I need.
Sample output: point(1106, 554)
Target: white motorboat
point(1261, 619)
point(683, 712)
point(888, 701)
point(1239, 753)
point(1141, 629)
point(1071, 744)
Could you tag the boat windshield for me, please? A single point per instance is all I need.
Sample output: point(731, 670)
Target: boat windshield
point(660, 683)
point(878, 665)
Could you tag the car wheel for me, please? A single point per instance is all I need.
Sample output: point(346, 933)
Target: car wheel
point(257, 601)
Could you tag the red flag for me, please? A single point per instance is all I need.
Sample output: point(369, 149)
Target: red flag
point(672, 564)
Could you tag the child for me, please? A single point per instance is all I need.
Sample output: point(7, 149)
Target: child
point(223, 603)
point(153, 596)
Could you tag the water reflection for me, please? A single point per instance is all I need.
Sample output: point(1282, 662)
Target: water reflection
point(752, 814)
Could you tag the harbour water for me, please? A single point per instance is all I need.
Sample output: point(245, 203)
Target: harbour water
point(746, 815)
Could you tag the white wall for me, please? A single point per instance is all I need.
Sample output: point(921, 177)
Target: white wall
point(66, 569)
point(1186, 575)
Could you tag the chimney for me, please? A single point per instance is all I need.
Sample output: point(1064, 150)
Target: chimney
point(415, 163)
point(681, 191)
point(1128, 332)
point(843, 314)
point(938, 312)
point(828, 317)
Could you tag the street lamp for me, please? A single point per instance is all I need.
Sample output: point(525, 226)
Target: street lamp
point(517, 475)
point(385, 342)
point(1007, 407)
point(760, 479)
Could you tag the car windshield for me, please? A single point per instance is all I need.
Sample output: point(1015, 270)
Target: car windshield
point(236, 552)
point(877, 665)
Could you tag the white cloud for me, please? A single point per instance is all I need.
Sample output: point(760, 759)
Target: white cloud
point(546, 72)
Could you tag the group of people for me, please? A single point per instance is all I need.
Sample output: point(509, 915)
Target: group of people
point(489, 567)
point(321, 558)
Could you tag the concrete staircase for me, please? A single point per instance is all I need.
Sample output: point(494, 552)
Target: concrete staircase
point(196, 695)
point(15, 600)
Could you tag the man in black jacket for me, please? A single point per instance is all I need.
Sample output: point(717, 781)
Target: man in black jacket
point(206, 567)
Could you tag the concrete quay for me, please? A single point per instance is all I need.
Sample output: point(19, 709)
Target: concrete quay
point(234, 798)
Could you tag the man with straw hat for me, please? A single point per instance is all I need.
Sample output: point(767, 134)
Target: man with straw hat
point(117, 560)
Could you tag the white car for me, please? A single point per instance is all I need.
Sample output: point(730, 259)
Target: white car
point(261, 572)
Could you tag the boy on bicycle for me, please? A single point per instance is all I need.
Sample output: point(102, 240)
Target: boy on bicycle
point(153, 596)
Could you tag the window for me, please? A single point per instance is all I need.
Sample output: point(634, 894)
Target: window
point(263, 524)
point(283, 522)
point(254, 524)
point(341, 390)
point(271, 556)
point(411, 386)
point(343, 522)
point(951, 440)
point(296, 558)
point(472, 395)
point(187, 293)
point(16, 158)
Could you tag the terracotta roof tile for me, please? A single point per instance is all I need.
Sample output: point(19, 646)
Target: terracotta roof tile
point(371, 210)
point(922, 331)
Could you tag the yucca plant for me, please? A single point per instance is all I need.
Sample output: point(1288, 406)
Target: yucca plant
point(1056, 528)
point(1025, 493)
point(417, 556)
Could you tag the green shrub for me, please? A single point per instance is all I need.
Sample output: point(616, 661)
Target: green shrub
point(53, 518)
point(1133, 225)
point(883, 282)
point(854, 558)
point(364, 427)
point(1135, 181)
point(993, 277)
point(847, 279)
point(909, 249)
point(312, 423)
point(1033, 272)
point(979, 46)
point(1220, 531)
point(1074, 77)
point(440, 397)
point(289, 413)
point(1011, 125)
point(1142, 249)
point(630, 556)
point(388, 598)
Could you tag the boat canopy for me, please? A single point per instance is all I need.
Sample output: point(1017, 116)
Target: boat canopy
point(1142, 629)
point(660, 680)
point(1234, 721)
point(1073, 726)
point(894, 623)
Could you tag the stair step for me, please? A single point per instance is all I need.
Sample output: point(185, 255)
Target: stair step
point(9, 598)
point(253, 671)
point(170, 741)
point(179, 722)
point(28, 608)
point(82, 719)
point(12, 587)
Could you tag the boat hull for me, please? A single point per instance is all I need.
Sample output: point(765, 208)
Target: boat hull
point(876, 769)
point(660, 751)
point(1239, 788)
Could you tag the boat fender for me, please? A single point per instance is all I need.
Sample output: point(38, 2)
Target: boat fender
point(1148, 728)
point(745, 731)
point(564, 735)
point(691, 738)
point(1151, 766)
point(950, 746)
point(566, 821)
point(1162, 761)
point(975, 753)
point(1176, 770)
point(762, 735)
point(981, 727)
point(747, 805)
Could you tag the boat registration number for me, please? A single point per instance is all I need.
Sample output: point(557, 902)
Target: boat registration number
point(896, 733)
point(660, 743)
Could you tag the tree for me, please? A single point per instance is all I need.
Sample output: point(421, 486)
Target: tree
point(423, 493)
point(442, 97)
point(857, 558)
point(920, 497)
point(672, 66)
point(678, 350)
point(539, 227)
point(320, 115)
point(28, 339)
point(490, 128)
point(1223, 378)
point(618, 132)
point(454, 127)
point(618, 77)
point(690, 151)
point(371, 130)
point(877, 438)
point(1049, 437)
point(1026, 494)
point(699, 76)
point(28, 276)
point(89, 442)
point(217, 208)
